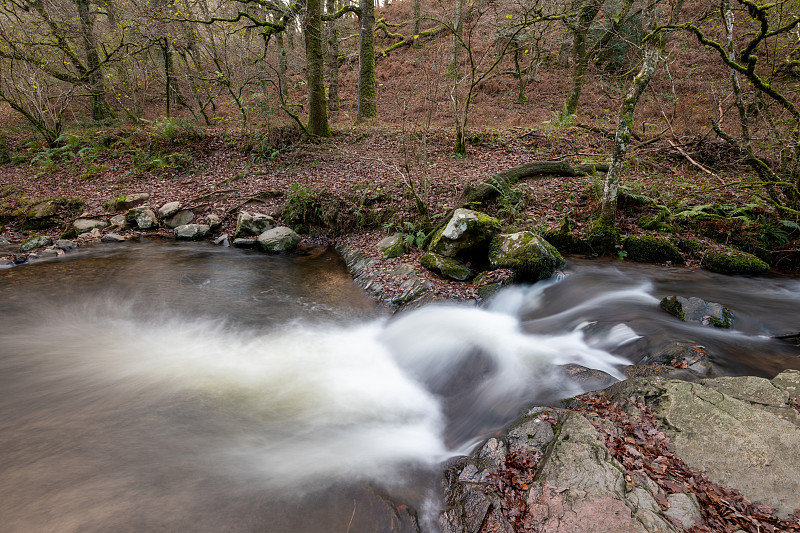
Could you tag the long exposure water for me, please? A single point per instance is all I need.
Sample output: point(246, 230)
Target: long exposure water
point(161, 386)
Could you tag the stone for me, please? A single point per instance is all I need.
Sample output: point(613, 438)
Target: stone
point(34, 243)
point(245, 242)
point(730, 261)
point(65, 244)
point(214, 222)
point(528, 255)
point(681, 355)
point(112, 237)
point(253, 225)
point(446, 267)
point(685, 509)
point(223, 240)
point(43, 209)
point(85, 225)
point(118, 221)
point(192, 231)
point(649, 249)
point(466, 234)
point(698, 311)
point(180, 218)
point(280, 239)
point(142, 218)
point(169, 209)
point(130, 200)
point(392, 246)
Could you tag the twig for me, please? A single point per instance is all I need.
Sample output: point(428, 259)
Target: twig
point(692, 161)
point(351, 517)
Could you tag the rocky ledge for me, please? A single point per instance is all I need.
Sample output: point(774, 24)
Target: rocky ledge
point(644, 455)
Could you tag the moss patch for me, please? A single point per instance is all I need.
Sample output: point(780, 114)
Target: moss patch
point(446, 267)
point(528, 255)
point(730, 261)
point(648, 249)
point(671, 305)
point(602, 238)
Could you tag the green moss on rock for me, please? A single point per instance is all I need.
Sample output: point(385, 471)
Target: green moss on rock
point(602, 238)
point(671, 305)
point(530, 256)
point(649, 249)
point(692, 247)
point(466, 234)
point(730, 261)
point(447, 267)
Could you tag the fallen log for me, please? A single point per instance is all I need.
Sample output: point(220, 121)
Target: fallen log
point(487, 190)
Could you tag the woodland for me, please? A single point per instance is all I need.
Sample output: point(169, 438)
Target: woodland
point(675, 118)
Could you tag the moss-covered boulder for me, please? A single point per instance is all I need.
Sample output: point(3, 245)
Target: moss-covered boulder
point(528, 255)
point(392, 246)
point(142, 218)
point(690, 246)
point(467, 234)
point(649, 249)
point(730, 261)
point(127, 202)
point(34, 243)
point(447, 267)
point(565, 239)
point(602, 238)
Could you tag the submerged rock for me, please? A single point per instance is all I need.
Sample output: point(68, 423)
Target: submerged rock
point(698, 311)
point(529, 256)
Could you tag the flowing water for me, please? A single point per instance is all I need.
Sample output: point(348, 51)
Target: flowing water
point(185, 387)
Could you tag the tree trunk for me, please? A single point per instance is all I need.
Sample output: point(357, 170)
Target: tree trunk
point(727, 13)
point(367, 106)
point(653, 47)
point(454, 71)
point(100, 107)
point(282, 67)
point(417, 22)
point(333, 59)
point(315, 79)
point(580, 57)
point(166, 50)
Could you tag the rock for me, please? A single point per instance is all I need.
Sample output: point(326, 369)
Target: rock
point(214, 222)
point(127, 202)
point(192, 231)
point(142, 218)
point(253, 225)
point(65, 244)
point(223, 240)
point(685, 509)
point(94, 234)
point(587, 378)
point(730, 261)
point(564, 238)
point(698, 311)
point(169, 209)
point(529, 256)
point(648, 249)
point(34, 243)
point(280, 239)
point(112, 237)
point(447, 267)
point(85, 225)
point(19, 259)
point(392, 246)
point(681, 355)
point(245, 242)
point(45, 253)
point(118, 221)
point(41, 210)
point(467, 234)
point(180, 218)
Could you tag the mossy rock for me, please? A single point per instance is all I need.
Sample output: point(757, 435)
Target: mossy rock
point(529, 256)
point(447, 267)
point(393, 246)
point(565, 239)
point(602, 238)
point(692, 247)
point(649, 249)
point(466, 234)
point(730, 261)
point(35, 242)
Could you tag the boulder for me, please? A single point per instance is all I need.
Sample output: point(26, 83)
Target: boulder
point(447, 267)
point(682, 355)
point(730, 261)
point(649, 249)
point(180, 218)
point(65, 244)
point(223, 240)
point(127, 202)
point(280, 239)
point(214, 222)
point(85, 225)
point(111, 238)
point(118, 221)
point(253, 225)
point(192, 231)
point(698, 311)
point(467, 234)
point(529, 256)
point(34, 243)
point(392, 246)
point(41, 210)
point(245, 242)
point(169, 209)
point(142, 218)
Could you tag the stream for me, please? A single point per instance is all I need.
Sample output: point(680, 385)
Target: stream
point(164, 386)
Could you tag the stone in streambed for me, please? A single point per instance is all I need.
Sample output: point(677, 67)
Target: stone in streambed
point(192, 231)
point(180, 218)
point(34, 243)
point(392, 246)
point(446, 267)
point(529, 256)
point(698, 311)
point(280, 239)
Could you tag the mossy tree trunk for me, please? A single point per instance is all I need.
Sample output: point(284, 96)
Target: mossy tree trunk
point(653, 44)
point(315, 63)
point(367, 99)
point(100, 108)
point(333, 58)
point(587, 11)
point(417, 22)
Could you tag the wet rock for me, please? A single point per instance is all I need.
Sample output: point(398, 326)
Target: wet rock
point(169, 209)
point(112, 237)
point(180, 218)
point(698, 311)
point(253, 225)
point(587, 378)
point(392, 246)
point(529, 256)
point(467, 234)
point(682, 355)
point(34, 243)
point(65, 244)
point(649, 249)
point(142, 218)
point(214, 222)
point(280, 239)
point(730, 261)
point(20, 259)
point(446, 267)
point(192, 231)
point(85, 225)
point(245, 242)
point(223, 240)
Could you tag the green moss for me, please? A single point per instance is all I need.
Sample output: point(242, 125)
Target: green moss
point(602, 238)
point(34, 242)
point(528, 255)
point(692, 247)
point(446, 267)
point(671, 305)
point(114, 204)
point(648, 249)
point(725, 322)
point(730, 261)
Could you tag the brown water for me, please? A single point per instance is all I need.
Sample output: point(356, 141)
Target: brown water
point(185, 387)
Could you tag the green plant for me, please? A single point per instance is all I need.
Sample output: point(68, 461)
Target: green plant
point(302, 206)
point(510, 201)
point(413, 236)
